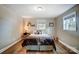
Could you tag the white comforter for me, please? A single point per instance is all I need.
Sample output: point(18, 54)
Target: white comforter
point(41, 36)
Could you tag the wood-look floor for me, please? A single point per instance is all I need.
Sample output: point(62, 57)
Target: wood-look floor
point(18, 49)
point(59, 50)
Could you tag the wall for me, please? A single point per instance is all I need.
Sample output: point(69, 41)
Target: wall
point(10, 27)
point(69, 37)
point(41, 20)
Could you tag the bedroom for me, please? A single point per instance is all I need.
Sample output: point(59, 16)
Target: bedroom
point(37, 20)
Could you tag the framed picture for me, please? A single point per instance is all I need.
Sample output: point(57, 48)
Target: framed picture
point(41, 26)
point(51, 24)
point(33, 25)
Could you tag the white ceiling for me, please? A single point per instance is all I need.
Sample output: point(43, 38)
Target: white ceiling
point(50, 10)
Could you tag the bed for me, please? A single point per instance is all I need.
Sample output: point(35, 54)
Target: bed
point(39, 42)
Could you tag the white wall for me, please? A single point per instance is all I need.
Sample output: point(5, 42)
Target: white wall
point(41, 20)
point(10, 27)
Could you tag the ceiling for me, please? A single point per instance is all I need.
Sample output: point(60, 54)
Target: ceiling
point(48, 10)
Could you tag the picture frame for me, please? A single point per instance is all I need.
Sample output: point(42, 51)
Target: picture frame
point(51, 24)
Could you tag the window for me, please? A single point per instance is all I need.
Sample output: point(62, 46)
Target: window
point(69, 22)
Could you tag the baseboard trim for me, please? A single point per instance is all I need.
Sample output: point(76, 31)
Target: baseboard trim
point(69, 47)
point(4, 49)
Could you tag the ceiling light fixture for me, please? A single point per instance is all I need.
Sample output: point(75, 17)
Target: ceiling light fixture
point(39, 8)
